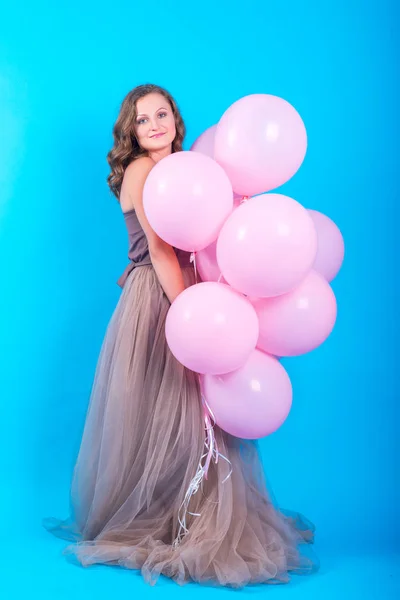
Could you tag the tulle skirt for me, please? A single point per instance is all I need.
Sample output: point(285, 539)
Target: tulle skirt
point(142, 442)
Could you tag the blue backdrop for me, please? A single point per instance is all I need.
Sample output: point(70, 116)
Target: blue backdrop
point(64, 69)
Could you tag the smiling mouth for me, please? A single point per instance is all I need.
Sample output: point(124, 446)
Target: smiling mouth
point(157, 136)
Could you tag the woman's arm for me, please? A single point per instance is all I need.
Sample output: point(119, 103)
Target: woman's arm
point(162, 255)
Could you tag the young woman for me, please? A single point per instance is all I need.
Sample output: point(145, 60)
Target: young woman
point(144, 434)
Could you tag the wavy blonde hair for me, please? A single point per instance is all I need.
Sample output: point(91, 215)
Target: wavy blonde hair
point(126, 147)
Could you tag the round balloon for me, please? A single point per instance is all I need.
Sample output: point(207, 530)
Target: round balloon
point(207, 266)
point(297, 322)
point(261, 142)
point(330, 251)
point(211, 328)
point(253, 401)
point(187, 197)
point(206, 259)
point(267, 246)
point(205, 142)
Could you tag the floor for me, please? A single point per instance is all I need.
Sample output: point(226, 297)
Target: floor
point(35, 568)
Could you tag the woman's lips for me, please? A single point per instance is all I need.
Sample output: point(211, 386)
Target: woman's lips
point(157, 136)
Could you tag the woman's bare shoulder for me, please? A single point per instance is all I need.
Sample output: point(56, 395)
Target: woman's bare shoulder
point(133, 182)
point(138, 166)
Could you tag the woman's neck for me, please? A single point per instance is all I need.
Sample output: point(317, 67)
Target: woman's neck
point(160, 154)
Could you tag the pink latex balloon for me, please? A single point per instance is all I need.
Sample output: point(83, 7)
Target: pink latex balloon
point(210, 328)
point(207, 266)
point(253, 401)
point(205, 145)
point(330, 250)
point(261, 142)
point(299, 321)
point(267, 246)
point(206, 259)
point(187, 197)
point(205, 142)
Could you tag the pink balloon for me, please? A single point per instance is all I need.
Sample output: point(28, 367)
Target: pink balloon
point(205, 145)
point(299, 321)
point(267, 246)
point(253, 401)
point(261, 142)
point(206, 259)
point(187, 197)
point(210, 328)
point(330, 251)
point(206, 263)
point(205, 142)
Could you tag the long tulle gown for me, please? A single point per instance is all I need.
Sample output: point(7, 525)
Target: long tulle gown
point(142, 442)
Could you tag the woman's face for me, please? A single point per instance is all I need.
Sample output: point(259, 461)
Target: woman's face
point(155, 123)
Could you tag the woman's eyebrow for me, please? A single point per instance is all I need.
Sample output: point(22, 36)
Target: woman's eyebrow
point(144, 114)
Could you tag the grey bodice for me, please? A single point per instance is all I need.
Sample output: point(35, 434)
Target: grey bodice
point(138, 253)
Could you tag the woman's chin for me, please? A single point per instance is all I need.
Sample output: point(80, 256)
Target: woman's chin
point(161, 144)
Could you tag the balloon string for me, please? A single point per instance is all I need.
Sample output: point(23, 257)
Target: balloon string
point(193, 260)
point(211, 441)
point(211, 452)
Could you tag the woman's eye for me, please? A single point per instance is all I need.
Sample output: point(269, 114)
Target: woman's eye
point(162, 115)
point(141, 121)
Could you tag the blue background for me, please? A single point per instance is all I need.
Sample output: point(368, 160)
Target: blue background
point(64, 70)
